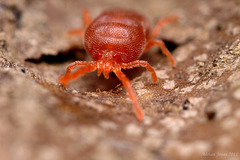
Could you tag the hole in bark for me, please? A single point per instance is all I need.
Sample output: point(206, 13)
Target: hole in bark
point(63, 56)
point(171, 45)
point(186, 104)
point(210, 113)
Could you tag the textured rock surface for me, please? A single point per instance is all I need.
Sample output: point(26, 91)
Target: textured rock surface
point(192, 112)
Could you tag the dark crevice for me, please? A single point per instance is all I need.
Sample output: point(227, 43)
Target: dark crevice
point(72, 54)
point(76, 53)
point(210, 113)
point(171, 45)
point(157, 57)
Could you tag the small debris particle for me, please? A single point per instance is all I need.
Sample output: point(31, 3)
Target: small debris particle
point(200, 64)
point(146, 94)
point(195, 100)
point(202, 57)
point(133, 130)
point(207, 85)
point(95, 95)
point(109, 102)
point(108, 125)
point(161, 74)
point(193, 78)
point(236, 30)
point(169, 84)
point(147, 120)
point(189, 113)
point(186, 90)
point(191, 69)
point(142, 92)
point(74, 91)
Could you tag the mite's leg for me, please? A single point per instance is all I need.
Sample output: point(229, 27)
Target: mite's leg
point(79, 32)
point(161, 23)
point(68, 76)
point(164, 49)
point(122, 77)
point(86, 21)
point(142, 64)
point(151, 42)
point(86, 17)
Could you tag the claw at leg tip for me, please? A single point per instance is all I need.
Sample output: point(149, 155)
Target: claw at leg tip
point(62, 82)
point(141, 118)
point(174, 65)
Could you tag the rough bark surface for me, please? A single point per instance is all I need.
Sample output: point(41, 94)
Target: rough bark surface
point(192, 112)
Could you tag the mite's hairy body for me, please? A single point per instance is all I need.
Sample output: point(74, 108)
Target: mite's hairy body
point(115, 40)
point(121, 31)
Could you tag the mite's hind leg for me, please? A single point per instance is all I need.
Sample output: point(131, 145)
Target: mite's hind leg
point(160, 23)
point(152, 41)
point(164, 49)
point(86, 18)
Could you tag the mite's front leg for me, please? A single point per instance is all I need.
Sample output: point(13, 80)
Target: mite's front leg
point(142, 64)
point(68, 76)
point(125, 81)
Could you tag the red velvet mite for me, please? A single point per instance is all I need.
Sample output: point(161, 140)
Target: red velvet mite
point(115, 40)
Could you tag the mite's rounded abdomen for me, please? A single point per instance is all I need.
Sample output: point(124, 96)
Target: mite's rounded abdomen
point(122, 32)
point(124, 16)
